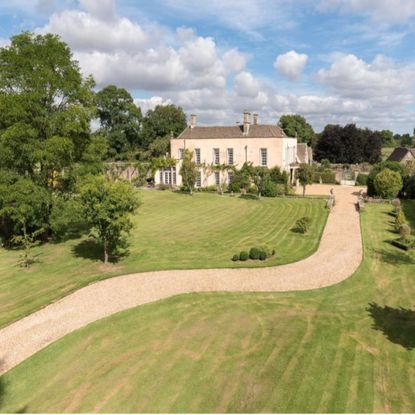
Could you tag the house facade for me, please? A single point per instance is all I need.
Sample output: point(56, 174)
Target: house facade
point(261, 144)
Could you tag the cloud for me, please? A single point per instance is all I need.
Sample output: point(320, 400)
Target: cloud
point(103, 9)
point(382, 80)
point(387, 11)
point(150, 103)
point(291, 64)
point(246, 85)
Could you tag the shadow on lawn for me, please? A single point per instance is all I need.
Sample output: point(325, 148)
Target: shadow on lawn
point(397, 324)
point(396, 256)
point(92, 249)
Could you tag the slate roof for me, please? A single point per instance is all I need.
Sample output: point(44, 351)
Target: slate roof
point(236, 131)
point(399, 153)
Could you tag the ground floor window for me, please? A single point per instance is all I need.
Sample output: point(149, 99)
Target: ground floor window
point(168, 176)
point(263, 157)
point(230, 177)
point(199, 179)
point(217, 178)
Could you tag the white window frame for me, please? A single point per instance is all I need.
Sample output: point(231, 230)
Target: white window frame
point(181, 153)
point(263, 156)
point(230, 156)
point(230, 177)
point(216, 156)
point(197, 156)
point(217, 178)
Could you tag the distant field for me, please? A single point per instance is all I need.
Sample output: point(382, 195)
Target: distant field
point(386, 152)
point(172, 231)
point(347, 348)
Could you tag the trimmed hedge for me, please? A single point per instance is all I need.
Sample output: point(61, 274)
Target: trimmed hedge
point(243, 256)
point(361, 179)
point(327, 177)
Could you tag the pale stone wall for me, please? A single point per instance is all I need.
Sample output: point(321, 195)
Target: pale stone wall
point(244, 149)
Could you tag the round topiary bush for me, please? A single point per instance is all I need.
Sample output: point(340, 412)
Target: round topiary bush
point(243, 256)
point(273, 252)
point(235, 258)
point(388, 183)
point(262, 255)
point(254, 253)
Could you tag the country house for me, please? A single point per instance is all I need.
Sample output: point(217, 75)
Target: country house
point(261, 144)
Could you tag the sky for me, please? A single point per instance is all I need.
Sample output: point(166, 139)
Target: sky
point(332, 61)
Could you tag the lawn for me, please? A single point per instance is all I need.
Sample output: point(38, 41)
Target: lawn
point(346, 348)
point(172, 231)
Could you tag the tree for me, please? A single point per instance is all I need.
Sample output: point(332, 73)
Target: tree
point(188, 171)
point(260, 177)
point(161, 122)
point(24, 208)
point(377, 168)
point(297, 126)
point(305, 175)
point(388, 183)
point(348, 144)
point(120, 120)
point(45, 107)
point(106, 207)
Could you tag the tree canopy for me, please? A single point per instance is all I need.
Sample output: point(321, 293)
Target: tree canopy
point(348, 144)
point(120, 120)
point(161, 122)
point(297, 126)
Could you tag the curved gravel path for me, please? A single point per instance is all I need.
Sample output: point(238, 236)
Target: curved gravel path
point(338, 256)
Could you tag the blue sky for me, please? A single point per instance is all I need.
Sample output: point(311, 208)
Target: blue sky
point(333, 61)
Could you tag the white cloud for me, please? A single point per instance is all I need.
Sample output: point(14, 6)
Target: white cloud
point(103, 9)
point(381, 80)
point(85, 31)
point(234, 60)
point(388, 11)
point(150, 103)
point(291, 64)
point(246, 85)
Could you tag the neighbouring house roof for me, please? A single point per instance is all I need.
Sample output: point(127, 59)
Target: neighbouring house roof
point(399, 153)
point(302, 153)
point(236, 131)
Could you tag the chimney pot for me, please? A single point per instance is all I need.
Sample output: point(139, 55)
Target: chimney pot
point(247, 122)
point(192, 120)
point(255, 119)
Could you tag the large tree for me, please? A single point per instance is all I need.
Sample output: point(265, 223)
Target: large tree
point(45, 107)
point(120, 120)
point(296, 126)
point(162, 121)
point(348, 144)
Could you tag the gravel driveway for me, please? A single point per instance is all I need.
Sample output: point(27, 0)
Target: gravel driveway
point(338, 256)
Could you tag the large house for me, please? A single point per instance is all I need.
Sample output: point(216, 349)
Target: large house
point(402, 155)
point(261, 144)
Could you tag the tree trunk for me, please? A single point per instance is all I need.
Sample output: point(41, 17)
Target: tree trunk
point(303, 190)
point(105, 252)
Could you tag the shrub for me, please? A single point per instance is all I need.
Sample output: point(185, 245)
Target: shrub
point(166, 187)
point(270, 189)
point(399, 220)
point(273, 252)
point(388, 183)
point(361, 179)
point(235, 258)
point(405, 244)
point(327, 177)
point(249, 196)
point(267, 250)
point(254, 253)
point(262, 255)
point(404, 230)
point(302, 224)
point(243, 256)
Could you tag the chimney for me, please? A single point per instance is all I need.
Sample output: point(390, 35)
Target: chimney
point(255, 119)
point(247, 122)
point(192, 120)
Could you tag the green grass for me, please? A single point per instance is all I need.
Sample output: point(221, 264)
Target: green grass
point(346, 348)
point(172, 231)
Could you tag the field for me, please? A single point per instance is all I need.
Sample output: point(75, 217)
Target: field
point(347, 348)
point(172, 231)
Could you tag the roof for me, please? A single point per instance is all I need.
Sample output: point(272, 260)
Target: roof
point(302, 152)
point(235, 131)
point(399, 153)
